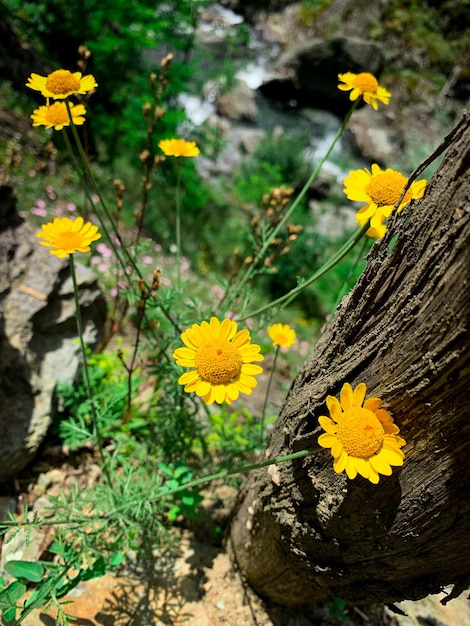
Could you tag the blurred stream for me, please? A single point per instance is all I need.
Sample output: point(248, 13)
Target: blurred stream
point(220, 49)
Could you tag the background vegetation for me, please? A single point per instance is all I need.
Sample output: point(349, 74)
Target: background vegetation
point(162, 440)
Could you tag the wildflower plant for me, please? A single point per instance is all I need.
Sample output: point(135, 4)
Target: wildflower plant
point(158, 427)
point(365, 85)
point(382, 190)
point(361, 434)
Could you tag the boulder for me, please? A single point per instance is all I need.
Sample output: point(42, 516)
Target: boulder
point(38, 334)
point(238, 104)
point(307, 75)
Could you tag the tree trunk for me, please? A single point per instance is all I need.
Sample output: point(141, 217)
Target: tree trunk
point(303, 532)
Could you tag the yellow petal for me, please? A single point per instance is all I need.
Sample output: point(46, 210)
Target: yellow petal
point(334, 407)
point(359, 395)
point(251, 369)
point(346, 396)
point(188, 378)
point(327, 424)
point(241, 338)
point(379, 464)
point(327, 440)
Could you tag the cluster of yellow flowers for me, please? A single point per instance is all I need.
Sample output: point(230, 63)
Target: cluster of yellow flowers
point(59, 86)
point(223, 362)
point(380, 189)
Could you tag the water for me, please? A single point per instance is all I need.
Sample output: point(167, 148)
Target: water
point(253, 61)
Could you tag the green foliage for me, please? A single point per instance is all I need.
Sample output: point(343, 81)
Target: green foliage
point(120, 36)
point(233, 436)
point(49, 582)
point(311, 9)
point(433, 36)
point(156, 444)
point(277, 160)
point(109, 384)
point(184, 501)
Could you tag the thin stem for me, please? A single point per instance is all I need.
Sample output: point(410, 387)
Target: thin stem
point(178, 224)
point(94, 416)
point(86, 176)
point(293, 293)
point(240, 470)
point(268, 389)
point(260, 254)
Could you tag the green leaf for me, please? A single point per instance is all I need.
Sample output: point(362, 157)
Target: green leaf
point(25, 570)
point(9, 614)
point(99, 568)
point(117, 559)
point(12, 593)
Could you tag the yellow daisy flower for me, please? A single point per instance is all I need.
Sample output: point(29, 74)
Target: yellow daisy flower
point(380, 189)
point(178, 148)
point(65, 236)
point(282, 335)
point(56, 115)
point(362, 436)
point(61, 84)
point(222, 359)
point(365, 85)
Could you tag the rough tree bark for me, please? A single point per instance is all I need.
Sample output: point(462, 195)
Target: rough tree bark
point(302, 532)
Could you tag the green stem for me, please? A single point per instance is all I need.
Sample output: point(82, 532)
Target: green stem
point(268, 389)
point(248, 467)
point(178, 224)
point(94, 416)
point(87, 176)
point(293, 293)
point(260, 254)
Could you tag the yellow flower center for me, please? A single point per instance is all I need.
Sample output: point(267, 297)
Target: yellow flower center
point(62, 81)
point(57, 114)
point(69, 240)
point(360, 432)
point(218, 362)
point(366, 82)
point(384, 189)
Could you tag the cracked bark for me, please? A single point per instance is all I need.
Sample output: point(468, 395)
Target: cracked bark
point(404, 331)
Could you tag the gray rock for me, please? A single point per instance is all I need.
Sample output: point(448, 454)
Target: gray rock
point(308, 74)
point(376, 136)
point(38, 337)
point(238, 103)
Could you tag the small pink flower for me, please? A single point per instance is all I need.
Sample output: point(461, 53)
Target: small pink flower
point(41, 204)
point(103, 249)
point(95, 199)
point(157, 247)
point(113, 292)
point(103, 267)
point(32, 173)
point(70, 206)
point(38, 211)
point(58, 210)
point(95, 260)
point(147, 260)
